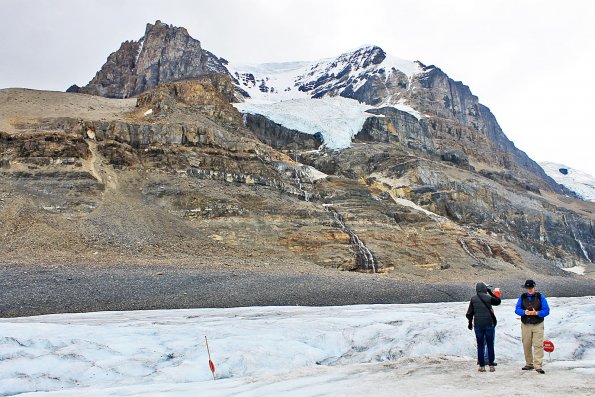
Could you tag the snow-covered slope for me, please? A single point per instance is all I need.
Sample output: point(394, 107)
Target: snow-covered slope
point(291, 351)
point(310, 96)
point(579, 182)
point(336, 119)
point(274, 82)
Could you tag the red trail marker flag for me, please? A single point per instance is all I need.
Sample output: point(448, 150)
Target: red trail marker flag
point(211, 365)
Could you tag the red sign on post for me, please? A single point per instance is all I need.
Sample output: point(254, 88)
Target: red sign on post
point(548, 346)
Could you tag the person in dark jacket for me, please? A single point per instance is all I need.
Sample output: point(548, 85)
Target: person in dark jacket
point(533, 308)
point(481, 315)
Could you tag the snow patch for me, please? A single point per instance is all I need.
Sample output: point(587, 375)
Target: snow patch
point(579, 182)
point(575, 269)
point(402, 105)
point(314, 174)
point(140, 48)
point(411, 204)
point(408, 67)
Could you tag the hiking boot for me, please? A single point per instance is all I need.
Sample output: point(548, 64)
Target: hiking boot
point(539, 370)
point(528, 368)
point(482, 369)
point(494, 364)
point(492, 369)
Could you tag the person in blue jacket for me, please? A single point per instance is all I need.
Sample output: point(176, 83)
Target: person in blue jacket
point(533, 308)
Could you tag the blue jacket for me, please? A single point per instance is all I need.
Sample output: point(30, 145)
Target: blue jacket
point(545, 308)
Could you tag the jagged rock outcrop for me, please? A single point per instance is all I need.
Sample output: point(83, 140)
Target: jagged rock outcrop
point(209, 95)
point(339, 76)
point(74, 88)
point(457, 157)
point(397, 126)
point(165, 53)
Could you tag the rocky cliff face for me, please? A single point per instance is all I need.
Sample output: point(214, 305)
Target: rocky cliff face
point(453, 114)
point(397, 126)
point(165, 53)
point(189, 180)
point(447, 99)
point(279, 137)
point(431, 185)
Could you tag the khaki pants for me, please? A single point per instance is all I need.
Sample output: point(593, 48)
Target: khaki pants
point(532, 335)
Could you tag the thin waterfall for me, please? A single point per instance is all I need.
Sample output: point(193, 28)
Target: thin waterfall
point(579, 242)
point(364, 257)
point(466, 249)
point(585, 253)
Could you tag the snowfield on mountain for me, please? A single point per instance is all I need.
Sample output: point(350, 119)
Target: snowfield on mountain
point(578, 181)
point(379, 350)
point(338, 119)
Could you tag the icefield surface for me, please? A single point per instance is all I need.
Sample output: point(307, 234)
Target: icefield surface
point(379, 350)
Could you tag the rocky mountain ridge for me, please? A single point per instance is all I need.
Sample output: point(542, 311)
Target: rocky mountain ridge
point(165, 53)
point(453, 114)
point(178, 173)
point(444, 107)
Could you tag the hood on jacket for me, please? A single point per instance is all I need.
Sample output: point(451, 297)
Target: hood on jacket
point(481, 288)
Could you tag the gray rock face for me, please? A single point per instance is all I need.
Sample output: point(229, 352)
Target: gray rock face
point(455, 156)
point(456, 120)
point(397, 126)
point(499, 205)
point(279, 137)
point(117, 77)
point(165, 53)
point(335, 78)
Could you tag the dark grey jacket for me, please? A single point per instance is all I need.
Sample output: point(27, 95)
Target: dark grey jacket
point(477, 310)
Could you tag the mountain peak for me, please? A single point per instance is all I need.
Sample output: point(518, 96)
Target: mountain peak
point(165, 53)
point(364, 56)
point(160, 26)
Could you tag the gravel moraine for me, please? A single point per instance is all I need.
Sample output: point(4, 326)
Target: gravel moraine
point(33, 290)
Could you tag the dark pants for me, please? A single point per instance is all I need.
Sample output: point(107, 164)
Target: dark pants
point(485, 336)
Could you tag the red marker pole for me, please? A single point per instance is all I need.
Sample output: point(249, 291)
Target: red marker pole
point(211, 365)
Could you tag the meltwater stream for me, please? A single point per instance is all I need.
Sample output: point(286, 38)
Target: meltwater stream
point(364, 257)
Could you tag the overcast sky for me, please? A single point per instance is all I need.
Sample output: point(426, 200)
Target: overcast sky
point(532, 62)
